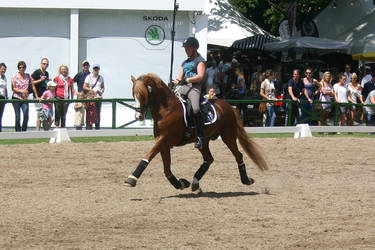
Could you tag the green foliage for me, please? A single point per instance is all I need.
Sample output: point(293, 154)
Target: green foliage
point(268, 14)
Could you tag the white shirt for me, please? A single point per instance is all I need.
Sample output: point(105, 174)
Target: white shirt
point(94, 84)
point(342, 93)
point(3, 87)
point(348, 78)
point(366, 79)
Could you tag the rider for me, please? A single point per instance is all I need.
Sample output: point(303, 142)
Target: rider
point(190, 78)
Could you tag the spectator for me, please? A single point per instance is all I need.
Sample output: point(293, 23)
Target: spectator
point(240, 87)
point(91, 111)
point(294, 93)
point(267, 91)
point(39, 80)
point(46, 116)
point(342, 96)
point(79, 112)
point(212, 73)
point(367, 76)
point(211, 94)
point(325, 96)
point(355, 92)
point(348, 74)
point(20, 86)
point(370, 110)
point(95, 82)
point(224, 68)
point(310, 90)
point(368, 87)
point(80, 77)
point(3, 91)
point(64, 91)
point(255, 80)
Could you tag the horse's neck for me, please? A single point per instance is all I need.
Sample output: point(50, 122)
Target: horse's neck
point(163, 100)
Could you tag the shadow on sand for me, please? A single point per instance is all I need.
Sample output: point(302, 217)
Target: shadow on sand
point(211, 195)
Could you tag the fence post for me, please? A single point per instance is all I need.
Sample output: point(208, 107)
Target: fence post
point(114, 113)
point(336, 114)
point(290, 108)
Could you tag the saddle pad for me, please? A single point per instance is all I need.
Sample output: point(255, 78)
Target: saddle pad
point(209, 111)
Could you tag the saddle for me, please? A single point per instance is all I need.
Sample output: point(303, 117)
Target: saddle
point(207, 109)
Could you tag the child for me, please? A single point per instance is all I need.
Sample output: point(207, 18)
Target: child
point(46, 115)
point(91, 113)
point(79, 112)
point(211, 94)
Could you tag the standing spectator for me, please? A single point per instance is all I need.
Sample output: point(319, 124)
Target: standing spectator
point(355, 92)
point(256, 79)
point(368, 87)
point(367, 76)
point(79, 112)
point(267, 91)
point(40, 78)
point(95, 82)
point(3, 91)
point(211, 72)
point(224, 73)
point(240, 87)
point(348, 74)
point(342, 96)
point(325, 96)
point(80, 77)
point(370, 111)
point(64, 91)
point(20, 86)
point(46, 116)
point(91, 111)
point(294, 93)
point(311, 89)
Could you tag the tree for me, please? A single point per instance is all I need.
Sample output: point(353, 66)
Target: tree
point(268, 14)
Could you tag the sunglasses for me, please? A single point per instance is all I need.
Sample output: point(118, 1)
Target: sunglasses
point(21, 67)
point(308, 73)
point(45, 64)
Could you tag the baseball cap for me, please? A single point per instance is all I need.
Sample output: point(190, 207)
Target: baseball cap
point(51, 84)
point(96, 66)
point(85, 62)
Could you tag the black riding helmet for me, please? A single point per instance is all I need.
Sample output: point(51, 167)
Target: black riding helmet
point(191, 42)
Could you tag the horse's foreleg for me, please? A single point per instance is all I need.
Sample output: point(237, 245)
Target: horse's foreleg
point(207, 161)
point(231, 143)
point(132, 179)
point(178, 184)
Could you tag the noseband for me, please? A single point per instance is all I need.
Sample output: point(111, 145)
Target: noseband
point(144, 109)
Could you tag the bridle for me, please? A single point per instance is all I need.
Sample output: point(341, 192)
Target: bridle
point(143, 110)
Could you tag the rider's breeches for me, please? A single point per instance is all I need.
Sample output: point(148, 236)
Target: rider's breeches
point(193, 92)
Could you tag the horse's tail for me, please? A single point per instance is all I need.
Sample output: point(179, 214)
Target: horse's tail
point(249, 146)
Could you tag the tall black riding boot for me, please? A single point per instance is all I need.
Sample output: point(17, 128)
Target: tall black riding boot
point(199, 126)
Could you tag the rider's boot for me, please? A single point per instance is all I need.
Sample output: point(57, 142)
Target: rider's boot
point(199, 126)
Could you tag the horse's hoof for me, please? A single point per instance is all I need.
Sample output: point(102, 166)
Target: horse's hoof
point(249, 182)
point(184, 183)
point(131, 181)
point(194, 186)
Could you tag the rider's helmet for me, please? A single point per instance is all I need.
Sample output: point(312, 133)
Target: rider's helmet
point(191, 42)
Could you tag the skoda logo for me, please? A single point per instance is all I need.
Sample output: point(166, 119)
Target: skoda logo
point(154, 35)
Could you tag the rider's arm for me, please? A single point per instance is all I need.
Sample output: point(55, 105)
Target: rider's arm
point(180, 76)
point(201, 70)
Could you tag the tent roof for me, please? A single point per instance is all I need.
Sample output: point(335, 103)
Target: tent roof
point(309, 43)
point(226, 24)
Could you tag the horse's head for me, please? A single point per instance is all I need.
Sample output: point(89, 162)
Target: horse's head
point(141, 94)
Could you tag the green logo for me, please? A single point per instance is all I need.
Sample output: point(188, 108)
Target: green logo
point(154, 35)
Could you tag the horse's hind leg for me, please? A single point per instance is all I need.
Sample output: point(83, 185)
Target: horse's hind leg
point(207, 161)
point(231, 141)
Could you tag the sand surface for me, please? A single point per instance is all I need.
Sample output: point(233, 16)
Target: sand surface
point(318, 194)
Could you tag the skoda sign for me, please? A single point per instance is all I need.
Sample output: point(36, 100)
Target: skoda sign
point(154, 35)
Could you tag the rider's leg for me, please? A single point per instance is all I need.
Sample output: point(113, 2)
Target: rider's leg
point(194, 96)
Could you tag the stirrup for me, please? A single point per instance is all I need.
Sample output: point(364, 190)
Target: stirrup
point(199, 142)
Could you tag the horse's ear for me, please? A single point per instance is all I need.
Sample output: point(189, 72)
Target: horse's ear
point(133, 79)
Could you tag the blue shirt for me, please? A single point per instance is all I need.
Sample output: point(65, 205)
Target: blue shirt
point(190, 66)
point(79, 78)
point(297, 88)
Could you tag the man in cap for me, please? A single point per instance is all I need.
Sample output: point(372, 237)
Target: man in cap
point(80, 77)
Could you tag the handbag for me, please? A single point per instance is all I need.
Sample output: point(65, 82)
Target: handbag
point(262, 107)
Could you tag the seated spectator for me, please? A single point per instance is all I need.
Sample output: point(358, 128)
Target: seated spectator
point(211, 94)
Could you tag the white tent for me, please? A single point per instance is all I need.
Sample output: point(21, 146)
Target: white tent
point(226, 24)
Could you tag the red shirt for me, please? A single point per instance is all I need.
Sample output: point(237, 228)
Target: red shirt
point(60, 90)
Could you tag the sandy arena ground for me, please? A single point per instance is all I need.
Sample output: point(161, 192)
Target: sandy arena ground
point(318, 194)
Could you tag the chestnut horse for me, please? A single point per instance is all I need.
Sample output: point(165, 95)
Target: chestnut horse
point(150, 92)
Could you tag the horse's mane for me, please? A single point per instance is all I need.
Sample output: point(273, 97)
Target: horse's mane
point(153, 80)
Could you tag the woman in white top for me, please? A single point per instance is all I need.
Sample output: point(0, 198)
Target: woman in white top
point(267, 91)
point(326, 94)
point(355, 92)
point(95, 82)
point(3, 90)
point(342, 96)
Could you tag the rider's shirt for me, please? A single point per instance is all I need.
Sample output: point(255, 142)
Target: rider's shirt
point(190, 66)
